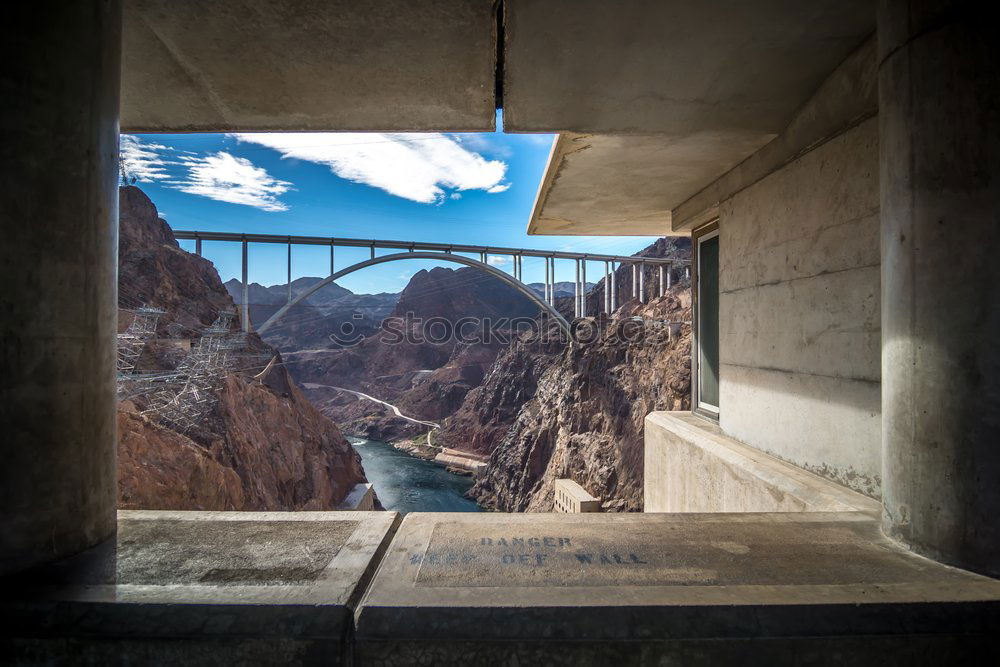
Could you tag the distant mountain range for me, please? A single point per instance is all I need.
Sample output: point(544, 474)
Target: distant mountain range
point(562, 289)
point(309, 323)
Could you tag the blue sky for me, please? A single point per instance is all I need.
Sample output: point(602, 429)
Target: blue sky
point(454, 188)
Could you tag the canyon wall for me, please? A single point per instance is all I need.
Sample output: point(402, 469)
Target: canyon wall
point(262, 446)
point(548, 411)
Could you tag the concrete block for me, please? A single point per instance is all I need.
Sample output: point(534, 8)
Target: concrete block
point(692, 466)
point(361, 498)
point(824, 325)
point(596, 589)
point(259, 65)
point(571, 498)
point(202, 588)
point(817, 214)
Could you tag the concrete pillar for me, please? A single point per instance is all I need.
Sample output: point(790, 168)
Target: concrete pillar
point(59, 91)
point(642, 283)
point(289, 283)
point(583, 288)
point(635, 281)
point(245, 294)
point(614, 288)
point(939, 99)
point(548, 280)
point(576, 291)
point(607, 287)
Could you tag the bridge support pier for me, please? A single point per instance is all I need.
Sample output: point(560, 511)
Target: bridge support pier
point(614, 288)
point(642, 283)
point(607, 288)
point(245, 293)
point(289, 283)
point(576, 291)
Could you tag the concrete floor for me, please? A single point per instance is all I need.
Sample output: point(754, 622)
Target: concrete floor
point(448, 588)
point(202, 588)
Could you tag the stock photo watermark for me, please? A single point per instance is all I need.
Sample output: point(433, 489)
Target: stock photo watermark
point(411, 329)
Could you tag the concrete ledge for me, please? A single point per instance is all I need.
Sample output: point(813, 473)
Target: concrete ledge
point(692, 466)
point(201, 588)
point(595, 589)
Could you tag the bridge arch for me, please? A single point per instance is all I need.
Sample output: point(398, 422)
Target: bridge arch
point(438, 256)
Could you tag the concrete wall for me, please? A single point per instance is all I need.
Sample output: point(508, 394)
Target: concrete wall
point(800, 311)
point(692, 466)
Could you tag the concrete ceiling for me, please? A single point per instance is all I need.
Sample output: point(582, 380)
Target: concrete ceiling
point(655, 98)
point(601, 184)
point(691, 88)
point(228, 65)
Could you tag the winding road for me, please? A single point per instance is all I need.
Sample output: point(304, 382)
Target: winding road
point(395, 410)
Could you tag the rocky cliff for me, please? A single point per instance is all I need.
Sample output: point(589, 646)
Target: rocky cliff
point(262, 446)
point(547, 411)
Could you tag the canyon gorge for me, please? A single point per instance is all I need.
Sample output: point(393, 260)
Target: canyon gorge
point(384, 367)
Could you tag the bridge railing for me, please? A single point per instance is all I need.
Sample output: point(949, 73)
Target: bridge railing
point(666, 266)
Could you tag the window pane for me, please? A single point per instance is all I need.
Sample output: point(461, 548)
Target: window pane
point(708, 321)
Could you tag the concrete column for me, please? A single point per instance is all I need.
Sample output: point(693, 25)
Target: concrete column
point(576, 291)
point(583, 288)
point(642, 283)
point(245, 310)
point(939, 99)
point(289, 283)
point(548, 280)
point(607, 287)
point(614, 288)
point(635, 281)
point(59, 91)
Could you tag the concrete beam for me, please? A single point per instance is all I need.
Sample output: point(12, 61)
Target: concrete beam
point(618, 185)
point(257, 65)
point(848, 97)
point(687, 89)
point(678, 68)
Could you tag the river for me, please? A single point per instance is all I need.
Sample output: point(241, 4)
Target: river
point(406, 483)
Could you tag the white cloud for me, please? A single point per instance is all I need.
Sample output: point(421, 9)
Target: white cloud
point(236, 180)
point(496, 189)
point(142, 161)
point(497, 260)
point(424, 168)
point(455, 195)
point(485, 144)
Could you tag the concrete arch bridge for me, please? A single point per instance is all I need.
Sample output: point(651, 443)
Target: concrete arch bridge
point(667, 268)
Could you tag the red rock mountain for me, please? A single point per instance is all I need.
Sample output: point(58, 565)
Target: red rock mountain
point(263, 446)
point(412, 362)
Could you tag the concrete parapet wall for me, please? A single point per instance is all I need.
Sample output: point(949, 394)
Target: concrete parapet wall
point(691, 466)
